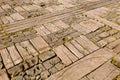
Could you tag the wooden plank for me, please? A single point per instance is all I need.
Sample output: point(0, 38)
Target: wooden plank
point(19, 9)
point(29, 48)
point(4, 20)
point(80, 48)
point(3, 75)
point(1, 10)
point(69, 54)
point(106, 72)
point(114, 44)
point(14, 54)
point(6, 6)
point(91, 25)
point(79, 28)
point(22, 50)
point(66, 11)
point(41, 30)
point(51, 27)
point(74, 50)
point(83, 66)
point(85, 78)
point(60, 53)
point(9, 19)
point(59, 7)
point(50, 8)
point(17, 16)
point(30, 7)
point(61, 24)
point(86, 43)
point(6, 58)
point(40, 44)
point(103, 20)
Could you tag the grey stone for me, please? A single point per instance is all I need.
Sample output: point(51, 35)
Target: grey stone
point(32, 61)
point(45, 75)
point(22, 74)
point(38, 69)
point(26, 65)
point(35, 70)
point(30, 72)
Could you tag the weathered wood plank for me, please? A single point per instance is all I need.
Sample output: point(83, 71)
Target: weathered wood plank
point(74, 50)
point(87, 44)
point(14, 54)
point(40, 44)
point(6, 58)
point(83, 66)
point(23, 52)
point(80, 48)
point(29, 48)
point(60, 53)
point(106, 72)
point(3, 75)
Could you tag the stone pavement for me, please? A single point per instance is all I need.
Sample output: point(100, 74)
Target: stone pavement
point(59, 40)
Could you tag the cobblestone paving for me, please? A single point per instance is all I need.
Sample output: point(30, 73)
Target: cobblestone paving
point(59, 40)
